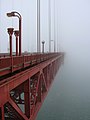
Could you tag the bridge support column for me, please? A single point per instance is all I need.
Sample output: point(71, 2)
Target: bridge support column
point(39, 88)
point(27, 98)
point(2, 112)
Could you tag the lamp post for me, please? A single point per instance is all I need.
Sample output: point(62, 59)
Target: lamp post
point(16, 14)
point(53, 44)
point(43, 46)
point(10, 32)
point(16, 33)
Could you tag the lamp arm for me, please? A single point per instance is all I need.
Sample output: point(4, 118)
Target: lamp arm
point(17, 13)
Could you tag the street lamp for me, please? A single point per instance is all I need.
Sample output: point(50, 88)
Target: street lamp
point(43, 46)
point(53, 44)
point(10, 32)
point(16, 14)
point(16, 33)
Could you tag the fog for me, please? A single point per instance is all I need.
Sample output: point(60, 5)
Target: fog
point(28, 10)
point(75, 26)
point(72, 20)
point(72, 35)
point(71, 29)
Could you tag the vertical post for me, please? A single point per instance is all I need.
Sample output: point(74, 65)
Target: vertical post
point(2, 109)
point(0, 113)
point(38, 26)
point(54, 44)
point(10, 32)
point(57, 31)
point(16, 33)
point(43, 46)
point(16, 14)
point(20, 36)
point(39, 90)
point(47, 76)
point(54, 29)
point(16, 45)
point(27, 98)
point(49, 21)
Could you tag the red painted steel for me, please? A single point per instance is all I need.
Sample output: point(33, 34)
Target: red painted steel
point(11, 64)
point(18, 15)
point(16, 33)
point(22, 93)
point(10, 32)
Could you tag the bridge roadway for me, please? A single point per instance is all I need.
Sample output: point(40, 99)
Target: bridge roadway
point(24, 83)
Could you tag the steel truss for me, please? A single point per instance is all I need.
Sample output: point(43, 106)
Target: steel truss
point(22, 95)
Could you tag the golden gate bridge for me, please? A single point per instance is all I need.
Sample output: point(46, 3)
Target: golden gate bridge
point(25, 78)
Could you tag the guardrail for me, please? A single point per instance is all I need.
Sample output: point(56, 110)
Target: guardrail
point(11, 64)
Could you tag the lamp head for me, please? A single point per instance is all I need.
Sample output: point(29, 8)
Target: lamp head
point(43, 42)
point(11, 14)
point(10, 31)
point(16, 32)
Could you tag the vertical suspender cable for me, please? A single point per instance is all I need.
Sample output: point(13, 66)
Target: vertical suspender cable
point(54, 29)
point(0, 25)
point(38, 27)
point(49, 18)
point(57, 29)
point(12, 10)
point(12, 24)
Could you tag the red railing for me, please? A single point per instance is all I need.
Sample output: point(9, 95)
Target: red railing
point(5, 63)
point(11, 64)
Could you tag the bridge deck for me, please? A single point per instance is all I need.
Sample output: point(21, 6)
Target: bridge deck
point(22, 93)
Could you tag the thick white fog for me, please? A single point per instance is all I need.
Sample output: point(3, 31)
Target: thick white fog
point(70, 28)
point(72, 24)
point(28, 12)
point(75, 24)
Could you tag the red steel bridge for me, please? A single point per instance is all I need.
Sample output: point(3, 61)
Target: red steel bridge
point(25, 79)
point(24, 83)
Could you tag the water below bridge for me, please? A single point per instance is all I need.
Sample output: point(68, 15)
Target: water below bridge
point(69, 96)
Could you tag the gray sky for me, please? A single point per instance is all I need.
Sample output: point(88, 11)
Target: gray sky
point(72, 24)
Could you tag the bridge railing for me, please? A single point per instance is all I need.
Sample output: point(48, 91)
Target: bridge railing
point(5, 63)
point(11, 64)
